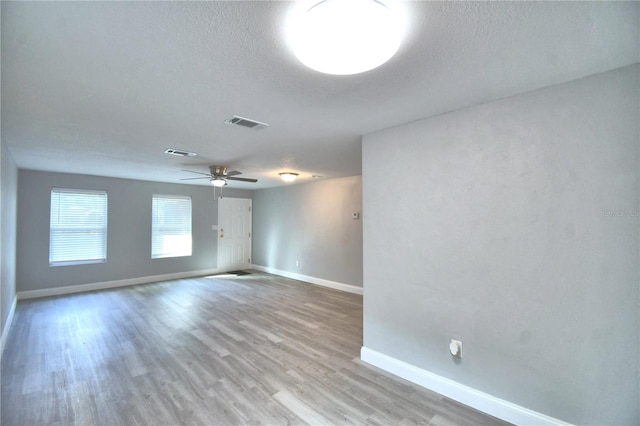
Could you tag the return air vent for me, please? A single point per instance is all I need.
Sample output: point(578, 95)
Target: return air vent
point(246, 122)
point(179, 153)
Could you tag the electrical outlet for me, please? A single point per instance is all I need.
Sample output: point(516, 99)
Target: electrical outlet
point(455, 347)
point(297, 263)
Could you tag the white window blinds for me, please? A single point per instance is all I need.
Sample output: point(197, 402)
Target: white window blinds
point(77, 227)
point(171, 226)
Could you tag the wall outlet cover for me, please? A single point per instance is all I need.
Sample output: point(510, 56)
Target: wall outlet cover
point(455, 347)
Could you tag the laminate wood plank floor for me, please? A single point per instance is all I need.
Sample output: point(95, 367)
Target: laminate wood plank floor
point(252, 349)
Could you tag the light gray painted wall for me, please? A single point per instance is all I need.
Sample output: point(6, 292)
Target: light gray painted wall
point(311, 223)
point(129, 230)
point(8, 191)
point(494, 230)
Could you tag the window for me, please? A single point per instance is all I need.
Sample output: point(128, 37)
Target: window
point(77, 227)
point(170, 226)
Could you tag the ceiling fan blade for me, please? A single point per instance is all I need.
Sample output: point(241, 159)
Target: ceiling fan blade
point(242, 179)
point(204, 177)
point(233, 173)
point(200, 173)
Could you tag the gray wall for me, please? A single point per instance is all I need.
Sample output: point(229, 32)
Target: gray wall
point(311, 223)
point(128, 235)
point(497, 229)
point(8, 197)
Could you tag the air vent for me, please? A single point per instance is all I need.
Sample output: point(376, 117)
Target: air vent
point(246, 122)
point(179, 153)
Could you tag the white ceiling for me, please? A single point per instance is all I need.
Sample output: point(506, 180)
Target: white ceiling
point(103, 88)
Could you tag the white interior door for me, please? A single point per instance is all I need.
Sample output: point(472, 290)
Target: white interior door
point(234, 234)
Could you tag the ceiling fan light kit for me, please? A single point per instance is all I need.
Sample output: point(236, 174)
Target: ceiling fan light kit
point(218, 181)
point(219, 175)
point(344, 37)
point(288, 176)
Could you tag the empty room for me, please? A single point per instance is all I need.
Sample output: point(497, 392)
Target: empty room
point(322, 212)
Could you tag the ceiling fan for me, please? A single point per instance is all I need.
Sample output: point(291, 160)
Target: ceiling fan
point(219, 176)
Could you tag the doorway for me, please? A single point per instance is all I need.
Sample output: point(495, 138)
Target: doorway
point(234, 234)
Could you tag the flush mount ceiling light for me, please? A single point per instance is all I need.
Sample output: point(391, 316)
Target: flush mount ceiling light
point(344, 37)
point(288, 176)
point(218, 181)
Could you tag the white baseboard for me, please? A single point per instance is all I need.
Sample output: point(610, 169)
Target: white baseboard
point(481, 401)
point(56, 291)
point(7, 325)
point(312, 280)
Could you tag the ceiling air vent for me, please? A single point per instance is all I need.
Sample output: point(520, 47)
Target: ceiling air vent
point(246, 122)
point(179, 153)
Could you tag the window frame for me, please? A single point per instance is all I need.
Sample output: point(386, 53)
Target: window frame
point(155, 228)
point(54, 256)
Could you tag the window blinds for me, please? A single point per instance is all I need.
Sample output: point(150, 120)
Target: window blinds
point(171, 226)
point(77, 227)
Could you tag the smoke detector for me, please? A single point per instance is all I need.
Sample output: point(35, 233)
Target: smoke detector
point(246, 122)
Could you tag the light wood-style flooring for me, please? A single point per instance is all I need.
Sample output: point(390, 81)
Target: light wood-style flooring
point(252, 349)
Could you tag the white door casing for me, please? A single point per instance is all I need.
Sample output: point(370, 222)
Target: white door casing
point(234, 234)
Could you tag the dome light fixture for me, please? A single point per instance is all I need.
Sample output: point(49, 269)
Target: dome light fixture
point(218, 181)
point(344, 37)
point(288, 176)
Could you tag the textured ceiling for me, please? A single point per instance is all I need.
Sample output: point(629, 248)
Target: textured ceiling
point(103, 88)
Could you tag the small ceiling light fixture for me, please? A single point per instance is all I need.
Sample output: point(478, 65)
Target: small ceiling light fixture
point(288, 176)
point(218, 181)
point(343, 37)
